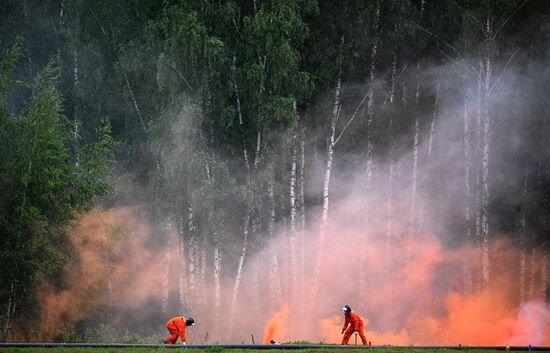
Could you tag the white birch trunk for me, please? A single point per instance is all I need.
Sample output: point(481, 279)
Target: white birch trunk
point(76, 108)
point(301, 210)
point(369, 166)
point(522, 245)
point(389, 212)
point(258, 154)
point(477, 194)
point(10, 314)
point(238, 275)
point(191, 253)
point(485, 177)
point(467, 191)
point(110, 293)
point(532, 274)
point(165, 286)
point(412, 215)
point(393, 79)
point(202, 276)
point(293, 253)
point(240, 115)
point(274, 276)
point(326, 187)
point(217, 286)
point(76, 73)
point(544, 276)
point(389, 197)
point(432, 122)
point(256, 300)
point(182, 268)
point(370, 102)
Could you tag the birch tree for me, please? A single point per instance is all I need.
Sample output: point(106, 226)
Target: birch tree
point(369, 136)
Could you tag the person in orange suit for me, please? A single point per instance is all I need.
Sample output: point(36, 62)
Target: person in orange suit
point(355, 324)
point(177, 326)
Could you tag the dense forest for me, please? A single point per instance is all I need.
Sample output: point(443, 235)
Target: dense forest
point(258, 164)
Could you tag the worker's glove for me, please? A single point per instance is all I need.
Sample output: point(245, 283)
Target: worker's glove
point(342, 332)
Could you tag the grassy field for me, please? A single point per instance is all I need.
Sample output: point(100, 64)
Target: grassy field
point(235, 350)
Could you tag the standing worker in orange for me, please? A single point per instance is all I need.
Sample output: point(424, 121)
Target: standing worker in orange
point(176, 326)
point(355, 324)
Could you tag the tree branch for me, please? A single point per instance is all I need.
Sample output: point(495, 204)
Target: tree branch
point(351, 119)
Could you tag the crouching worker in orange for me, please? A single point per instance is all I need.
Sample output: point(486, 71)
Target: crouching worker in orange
point(355, 324)
point(177, 326)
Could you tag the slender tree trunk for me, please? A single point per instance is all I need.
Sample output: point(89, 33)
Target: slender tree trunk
point(202, 278)
point(293, 249)
point(136, 106)
point(165, 289)
point(326, 186)
point(192, 251)
point(393, 79)
point(240, 115)
point(370, 102)
point(110, 294)
point(544, 290)
point(523, 245)
point(258, 154)
point(404, 94)
point(369, 166)
point(532, 273)
point(274, 272)
point(432, 122)
point(413, 219)
point(467, 192)
point(256, 300)
point(389, 210)
point(544, 276)
point(238, 275)
point(76, 108)
point(391, 172)
point(478, 279)
point(61, 24)
point(301, 210)
point(182, 262)
point(217, 286)
point(10, 314)
point(485, 176)
point(414, 183)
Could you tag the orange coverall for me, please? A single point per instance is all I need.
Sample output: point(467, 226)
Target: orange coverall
point(176, 326)
point(355, 324)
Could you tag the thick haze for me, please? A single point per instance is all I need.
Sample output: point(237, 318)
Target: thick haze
point(416, 289)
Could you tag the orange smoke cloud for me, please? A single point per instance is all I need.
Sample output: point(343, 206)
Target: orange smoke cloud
point(114, 268)
point(415, 292)
point(276, 327)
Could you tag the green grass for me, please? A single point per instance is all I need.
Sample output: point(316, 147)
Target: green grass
point(233, 350)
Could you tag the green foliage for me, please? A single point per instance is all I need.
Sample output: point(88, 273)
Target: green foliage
point(42, 185)
point(10, 58)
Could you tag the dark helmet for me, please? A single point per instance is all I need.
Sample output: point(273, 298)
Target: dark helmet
point(346, 309)
point(189, 322)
